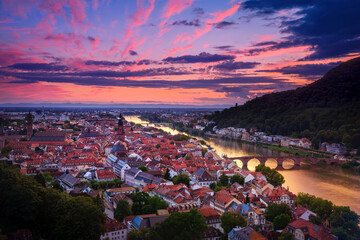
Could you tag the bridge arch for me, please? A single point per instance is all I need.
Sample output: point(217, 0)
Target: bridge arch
point(288, 163)
point(252, 164)
point(271, 163)
point(239, 163)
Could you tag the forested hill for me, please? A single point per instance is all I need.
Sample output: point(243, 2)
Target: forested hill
point(326, 110)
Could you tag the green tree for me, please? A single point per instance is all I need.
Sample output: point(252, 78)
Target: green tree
point(182, 178)
point(274, 210)
point(281, 221)
point(183, 225)
point(188, 158)
point(273, 176)
point(229, 220)
point(224, 180)
point(144, 234)
point(323, 208)
point(343, 220)
point(237, 178)
point(47, 212)
point(140, 199)
point(154, 203)
point(286, 236)
point(143, 168)
point(167, 174)
point(122, 210)
point(158, 146)
point(212, 185)
point(85, 215)
point(203, 151)
point(6, 150)
point(315, 219)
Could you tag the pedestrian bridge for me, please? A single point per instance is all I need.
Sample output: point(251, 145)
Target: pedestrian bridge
point(287, 162)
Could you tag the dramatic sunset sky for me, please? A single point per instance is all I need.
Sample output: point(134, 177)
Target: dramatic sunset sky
point(189, 52)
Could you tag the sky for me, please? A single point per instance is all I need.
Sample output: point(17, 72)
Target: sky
point(182, 52)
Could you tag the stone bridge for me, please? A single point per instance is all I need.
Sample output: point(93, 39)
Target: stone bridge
point(296, 160)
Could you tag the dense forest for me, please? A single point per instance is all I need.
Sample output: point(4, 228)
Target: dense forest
point(328, 110)
point(38, 204)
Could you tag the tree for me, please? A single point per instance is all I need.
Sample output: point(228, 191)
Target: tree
point(274, 210)
point(212, 185)
point(203, 151)
point(6, 150)
point(122, 210)
point(281, 221)
point(158, 146)
point(229, 220)
point(237, 178)
point(143, 234)
point(167, 174)
point(188, 158)
point(82, 213)
point(286, 236)
point(140, 199)
point(47, 212)
point(183, 225)
point(224, 180)
point(315, 219)
point(143, 168)
point(323, 208)
point(154, 203)
point(247, 199)
point(182, 178)
point(273, 176)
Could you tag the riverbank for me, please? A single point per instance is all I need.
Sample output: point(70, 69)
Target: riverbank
point(333, 183)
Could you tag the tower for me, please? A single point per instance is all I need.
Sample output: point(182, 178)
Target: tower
point(29, 119)
point(121, 131)
point(43, 113)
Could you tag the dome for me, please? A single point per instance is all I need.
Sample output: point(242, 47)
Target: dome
point(138, 157)
point(119, 146)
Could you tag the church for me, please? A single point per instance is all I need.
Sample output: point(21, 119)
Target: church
point(120, 148)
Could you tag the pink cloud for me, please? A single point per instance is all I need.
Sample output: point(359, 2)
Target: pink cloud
point(218, 17)
point(132, 44)
point(173, 7)
point(139, 18)
point(34, 92)
point(178, 37)
point(174, 50)
point(95, 4)
point(52, 8)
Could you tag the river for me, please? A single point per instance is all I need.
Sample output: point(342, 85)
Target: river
point(329, 182)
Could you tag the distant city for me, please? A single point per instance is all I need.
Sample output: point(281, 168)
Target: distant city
point(142, 171)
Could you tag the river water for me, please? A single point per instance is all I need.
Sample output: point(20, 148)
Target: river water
point(329, 182)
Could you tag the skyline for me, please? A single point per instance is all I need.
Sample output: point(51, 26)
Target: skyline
point(169, 52)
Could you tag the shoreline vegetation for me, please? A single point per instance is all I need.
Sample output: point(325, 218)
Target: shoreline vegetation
point(353, 165)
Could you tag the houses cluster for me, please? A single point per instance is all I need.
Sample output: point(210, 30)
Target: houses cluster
point(106, 150)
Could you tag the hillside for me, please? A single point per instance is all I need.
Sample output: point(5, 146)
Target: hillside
point(326, 110)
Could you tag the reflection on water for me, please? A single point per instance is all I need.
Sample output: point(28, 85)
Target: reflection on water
point(252, 163)
point(288, 163)
point(137, 120)
point(271, 163)
point(238, 149)
point(328, 182)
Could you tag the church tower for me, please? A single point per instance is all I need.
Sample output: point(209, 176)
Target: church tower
point(29, 119)
point(121, 130)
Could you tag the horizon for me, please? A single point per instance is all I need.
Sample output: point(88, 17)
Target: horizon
point(197, 54)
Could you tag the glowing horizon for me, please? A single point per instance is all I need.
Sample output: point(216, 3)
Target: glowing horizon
point(168, 52)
